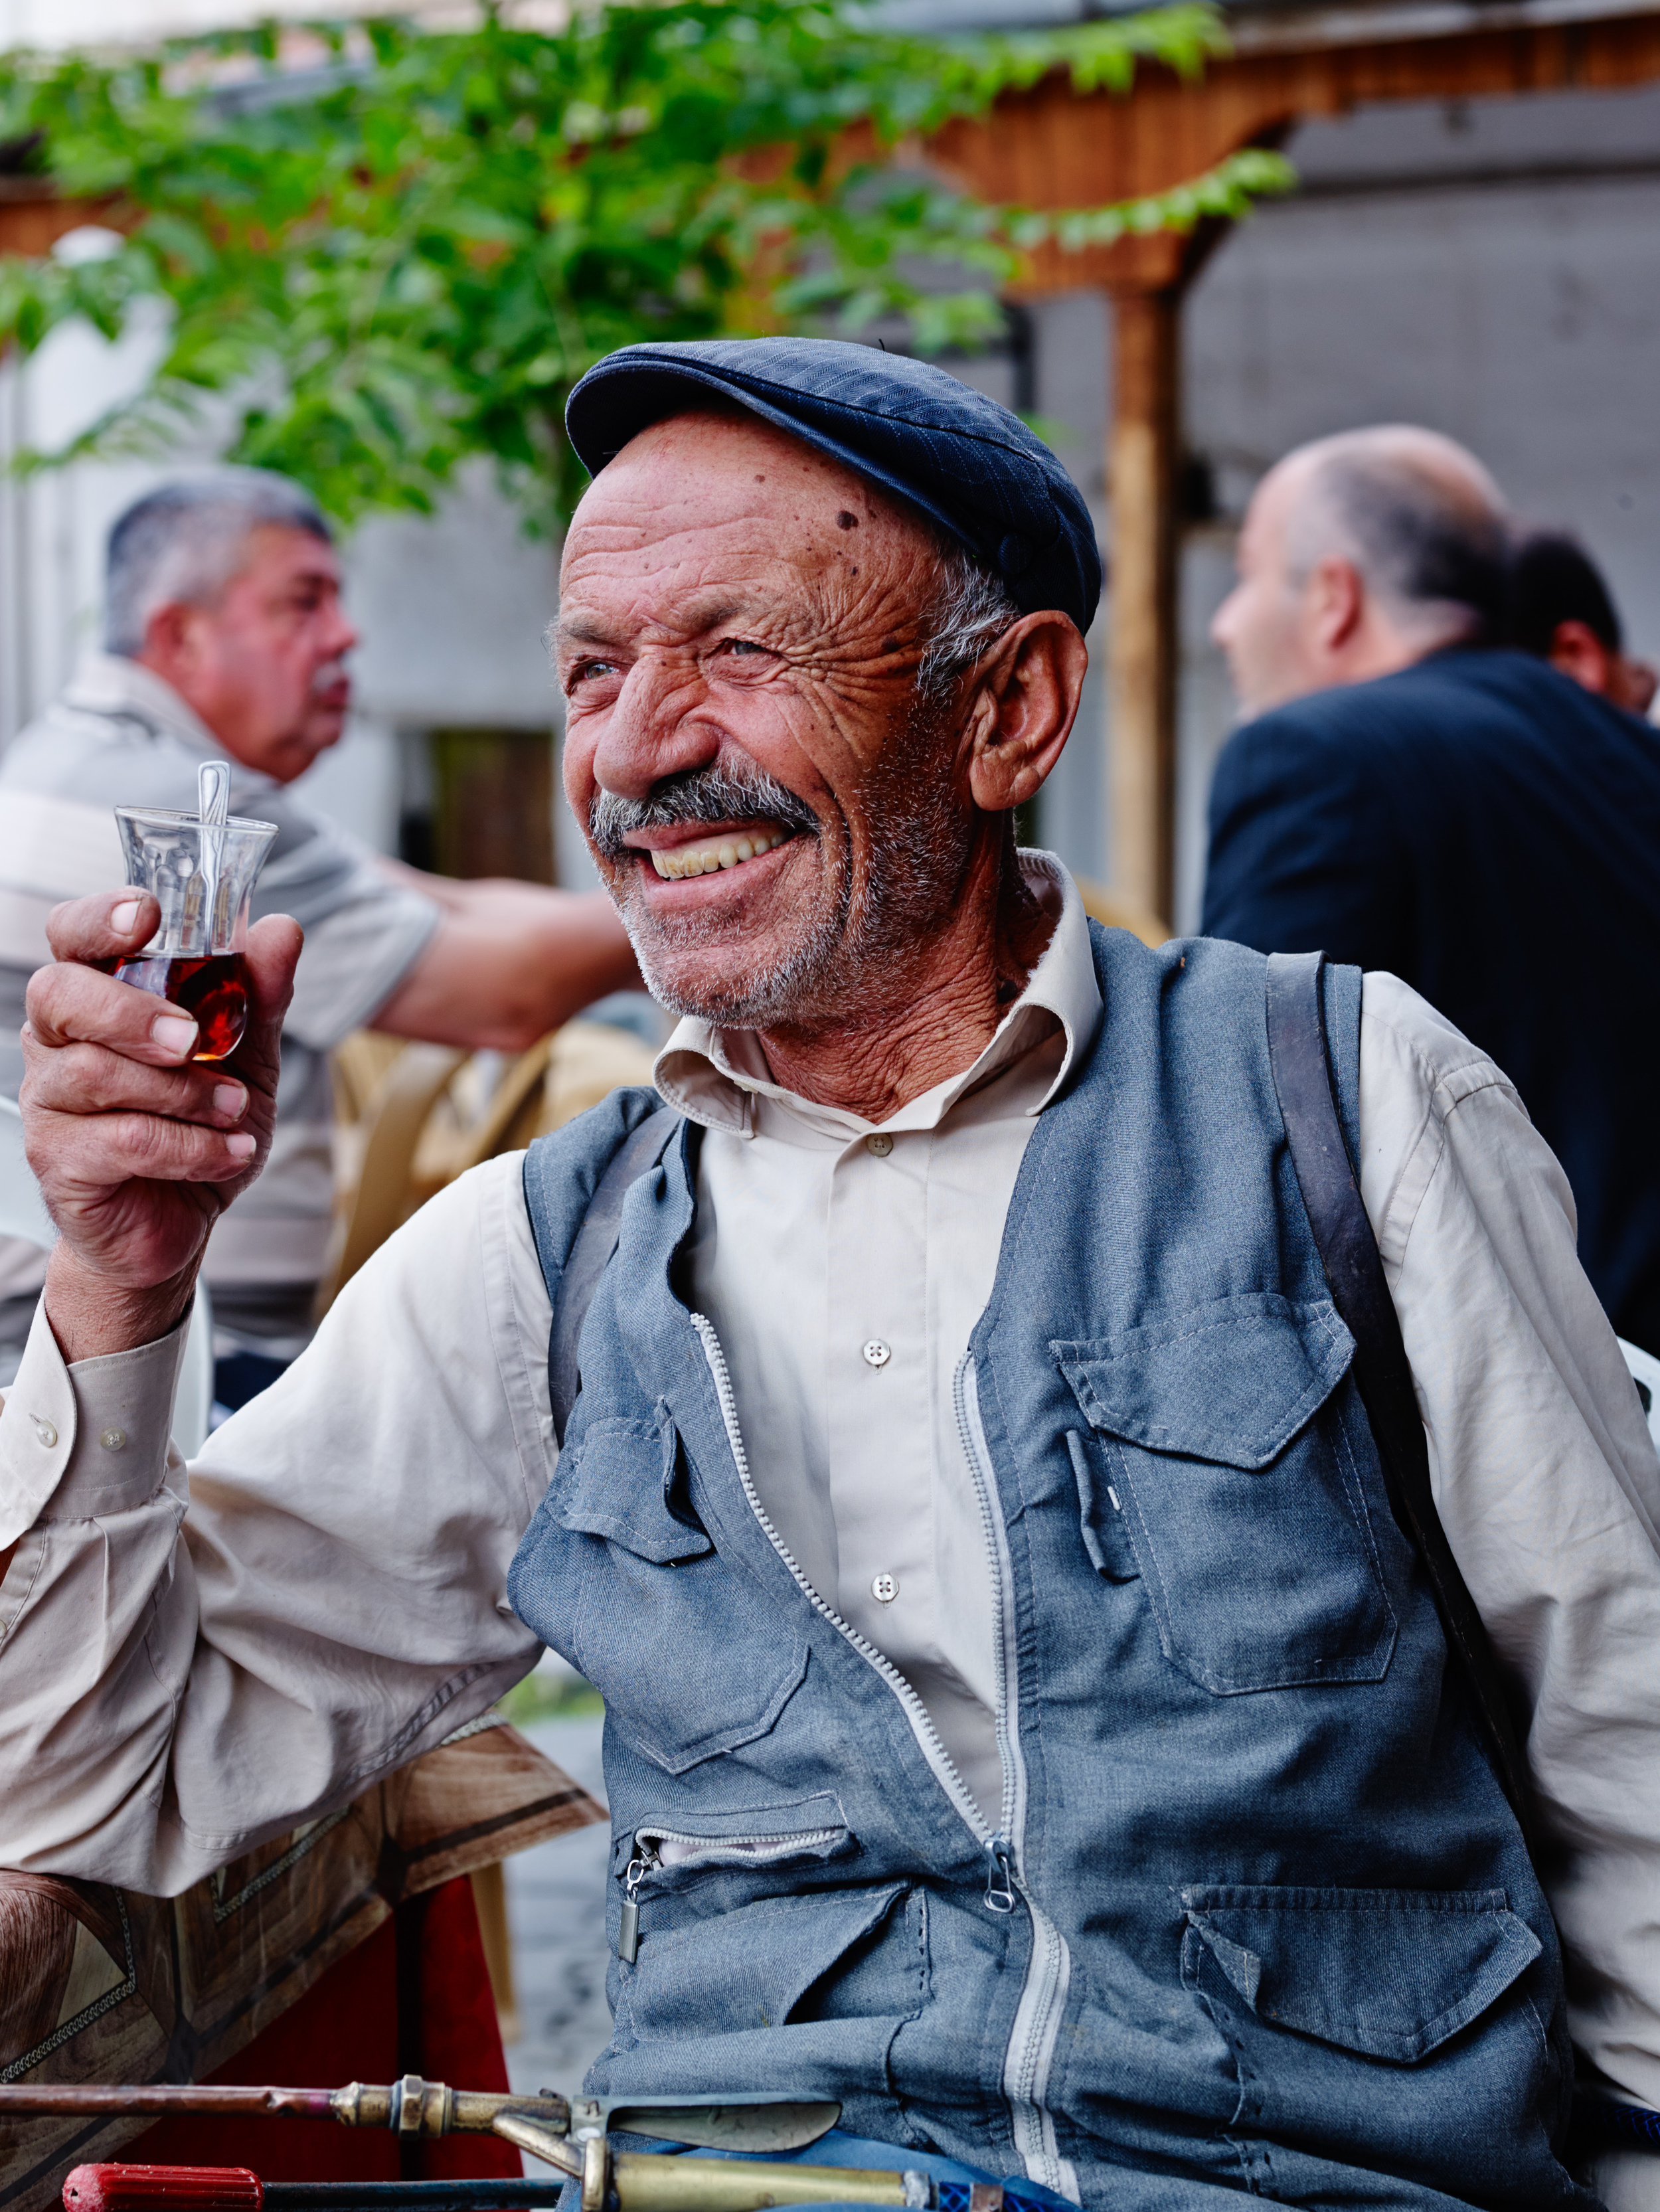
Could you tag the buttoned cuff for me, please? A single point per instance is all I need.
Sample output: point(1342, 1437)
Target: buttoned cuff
point(78, 1442)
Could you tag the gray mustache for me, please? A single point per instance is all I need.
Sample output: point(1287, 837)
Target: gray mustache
point(701, 794)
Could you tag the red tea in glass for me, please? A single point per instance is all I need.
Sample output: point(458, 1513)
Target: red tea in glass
point(200, 869)
point(213, 987)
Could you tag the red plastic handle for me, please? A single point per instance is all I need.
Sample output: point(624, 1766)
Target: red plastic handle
point(163, 2188)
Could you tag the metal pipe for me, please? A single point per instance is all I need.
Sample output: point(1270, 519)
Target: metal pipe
point(645, 2181)
point(84, 2098)
point(650, 2181)
point(410, 2107)
point(117, 2188)
point(411, 2195)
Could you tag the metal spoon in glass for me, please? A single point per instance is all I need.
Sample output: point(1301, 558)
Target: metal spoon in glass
point(200, 868)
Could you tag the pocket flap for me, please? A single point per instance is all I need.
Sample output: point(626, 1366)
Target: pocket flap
point(1390, 1972)
point(754, 1966)
point(618, 1479)
point(1233, 1382)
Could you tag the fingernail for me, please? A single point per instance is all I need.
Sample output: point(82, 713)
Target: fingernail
point(229, 1098)
point(123, 917)
point(240, 1147)
point(174, 1033)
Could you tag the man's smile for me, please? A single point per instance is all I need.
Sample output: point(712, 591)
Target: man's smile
point(709, 854)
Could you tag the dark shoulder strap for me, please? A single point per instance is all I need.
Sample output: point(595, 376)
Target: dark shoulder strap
point(1348, 1251)
point(590, 1254)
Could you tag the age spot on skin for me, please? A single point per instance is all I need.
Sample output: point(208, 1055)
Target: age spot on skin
point(846, 521)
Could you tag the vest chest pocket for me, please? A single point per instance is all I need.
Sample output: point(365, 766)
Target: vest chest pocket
point(1241, 1492)
point(617, 1573)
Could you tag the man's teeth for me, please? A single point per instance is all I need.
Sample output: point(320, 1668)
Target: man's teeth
point(704, 860)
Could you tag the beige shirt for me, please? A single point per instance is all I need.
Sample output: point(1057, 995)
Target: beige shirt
point(190, 1664)
point(844, 1269)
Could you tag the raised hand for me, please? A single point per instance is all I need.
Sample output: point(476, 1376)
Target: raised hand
point(138, 1149)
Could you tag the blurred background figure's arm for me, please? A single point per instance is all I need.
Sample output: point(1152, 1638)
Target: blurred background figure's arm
point(1303, 852)
point(506, 962)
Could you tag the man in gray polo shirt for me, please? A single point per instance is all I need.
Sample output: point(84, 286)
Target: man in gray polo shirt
point(224, 636)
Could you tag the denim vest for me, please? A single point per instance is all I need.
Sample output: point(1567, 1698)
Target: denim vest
point(1256, 1915)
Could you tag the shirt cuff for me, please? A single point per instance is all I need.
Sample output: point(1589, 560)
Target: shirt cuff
point(86, 1441)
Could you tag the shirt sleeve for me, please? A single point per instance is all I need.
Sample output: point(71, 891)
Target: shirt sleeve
point(194, 1660)
point(1546, 1483)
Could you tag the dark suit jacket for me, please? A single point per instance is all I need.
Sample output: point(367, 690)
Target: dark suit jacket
point(1490, 832)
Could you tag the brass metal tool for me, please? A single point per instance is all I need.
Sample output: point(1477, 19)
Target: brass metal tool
point(569, 2134)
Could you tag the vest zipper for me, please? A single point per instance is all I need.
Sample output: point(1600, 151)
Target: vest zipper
point(738, 1851)
point(1042, 1996)
point(916, 1712)
point(645, 1860)
point(699, 1851)
point(1038, 2015)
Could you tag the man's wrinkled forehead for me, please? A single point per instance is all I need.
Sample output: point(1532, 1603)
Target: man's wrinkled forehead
point(713, 516)
point(721, 468)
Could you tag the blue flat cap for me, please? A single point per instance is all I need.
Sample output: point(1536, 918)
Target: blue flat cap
point(968, 464)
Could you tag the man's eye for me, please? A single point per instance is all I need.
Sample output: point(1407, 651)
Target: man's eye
point(586, 671)
point(745, 645)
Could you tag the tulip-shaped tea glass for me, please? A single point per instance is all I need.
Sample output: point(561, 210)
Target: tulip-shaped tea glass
point(202, 869)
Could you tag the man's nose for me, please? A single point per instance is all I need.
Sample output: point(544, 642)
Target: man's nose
point(654, 730)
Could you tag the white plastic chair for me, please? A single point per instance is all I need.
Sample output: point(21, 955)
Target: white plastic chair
point(23, 1214)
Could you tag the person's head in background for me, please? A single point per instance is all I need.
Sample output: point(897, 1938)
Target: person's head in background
point(1561, 611)
point(1361, 554)
point(227, 587)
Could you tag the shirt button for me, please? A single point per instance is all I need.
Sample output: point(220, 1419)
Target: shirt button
point(112, 1439)
point(877, 1354)
point(884, 1589)
point(45, 1430)
point(880, 1144)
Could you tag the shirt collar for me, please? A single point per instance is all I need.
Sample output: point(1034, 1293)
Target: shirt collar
point(715, 1077)
point(110, 683)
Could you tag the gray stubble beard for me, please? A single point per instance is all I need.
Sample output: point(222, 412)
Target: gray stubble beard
point(829, 970)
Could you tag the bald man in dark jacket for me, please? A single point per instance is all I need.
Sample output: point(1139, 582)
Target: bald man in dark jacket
point(1470, 819)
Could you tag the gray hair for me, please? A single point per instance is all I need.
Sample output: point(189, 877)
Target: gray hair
point(185, 542)
point(970, 609)
point(1428, 537)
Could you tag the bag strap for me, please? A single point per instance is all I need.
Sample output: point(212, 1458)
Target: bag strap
point(590, 1255)
point(1299, 1055)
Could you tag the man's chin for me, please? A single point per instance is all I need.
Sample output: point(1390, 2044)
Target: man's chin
point(748, 981)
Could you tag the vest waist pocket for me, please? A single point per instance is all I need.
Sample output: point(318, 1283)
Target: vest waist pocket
point(1242, 1464)
point(857, 1958)
point(1387, 1973)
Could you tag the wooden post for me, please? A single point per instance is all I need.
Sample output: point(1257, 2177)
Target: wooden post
point(1141, 468)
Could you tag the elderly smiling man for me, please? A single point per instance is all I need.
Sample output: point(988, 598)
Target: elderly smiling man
point(1026, 1721)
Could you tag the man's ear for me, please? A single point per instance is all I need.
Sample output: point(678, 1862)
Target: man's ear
point(1334, 601)
point(1024, 704)
point(168, 636)
point(1577, 651)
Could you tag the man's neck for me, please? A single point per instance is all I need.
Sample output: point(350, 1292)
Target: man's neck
point(922, 1019)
